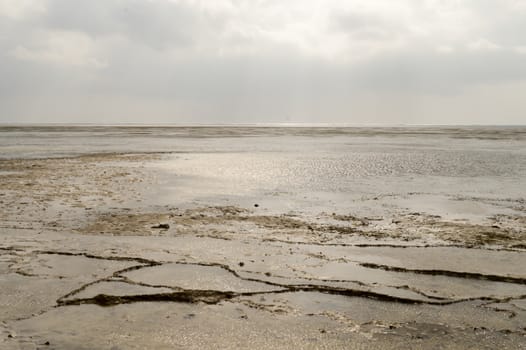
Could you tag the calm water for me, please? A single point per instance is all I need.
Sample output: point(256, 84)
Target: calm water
point(340, 164)
point(62, 140)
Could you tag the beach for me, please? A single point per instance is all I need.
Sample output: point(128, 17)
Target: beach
point(164, 237)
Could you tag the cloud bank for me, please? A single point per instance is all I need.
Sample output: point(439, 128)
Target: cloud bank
point(266, 61)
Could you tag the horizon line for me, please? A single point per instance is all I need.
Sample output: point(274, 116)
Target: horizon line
point(285, 124)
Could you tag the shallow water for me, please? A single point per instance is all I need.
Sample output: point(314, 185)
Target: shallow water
point(59, 140)
point(272, 237)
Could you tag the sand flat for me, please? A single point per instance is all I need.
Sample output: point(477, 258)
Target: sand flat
point(263, 238)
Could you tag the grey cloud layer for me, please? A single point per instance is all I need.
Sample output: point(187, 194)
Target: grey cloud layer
point(158, 24)
point(184, 61)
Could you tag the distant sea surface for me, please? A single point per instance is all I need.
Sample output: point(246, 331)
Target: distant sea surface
point(455, 172)
point(37, 141)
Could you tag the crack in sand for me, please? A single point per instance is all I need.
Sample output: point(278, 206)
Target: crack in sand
point(449, 273)
point(397, 246)
point(214, 296)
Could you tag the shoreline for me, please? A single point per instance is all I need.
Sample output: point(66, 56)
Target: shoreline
point(165, 250)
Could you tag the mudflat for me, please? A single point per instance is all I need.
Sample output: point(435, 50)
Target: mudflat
point(262, 237)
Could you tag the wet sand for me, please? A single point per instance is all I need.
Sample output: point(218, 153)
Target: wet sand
point(195, 238)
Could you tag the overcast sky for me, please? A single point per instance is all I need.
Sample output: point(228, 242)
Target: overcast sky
point(263, 61)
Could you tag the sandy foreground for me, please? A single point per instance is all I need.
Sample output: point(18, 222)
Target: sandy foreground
point(204, 250)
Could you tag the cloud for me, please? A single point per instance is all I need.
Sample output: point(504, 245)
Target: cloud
point(21, 9)
point(155, 23)
point(61, 48)
point(257, 61)
point(483, 45)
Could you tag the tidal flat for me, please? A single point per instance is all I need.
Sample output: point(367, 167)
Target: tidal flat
point(150, 237)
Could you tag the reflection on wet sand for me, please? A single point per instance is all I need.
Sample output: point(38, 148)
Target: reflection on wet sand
point(372, 239)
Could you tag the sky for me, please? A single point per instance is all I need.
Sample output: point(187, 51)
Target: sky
point(263, 61)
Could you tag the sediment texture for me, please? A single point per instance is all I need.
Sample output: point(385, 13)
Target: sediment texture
point(96, 252)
